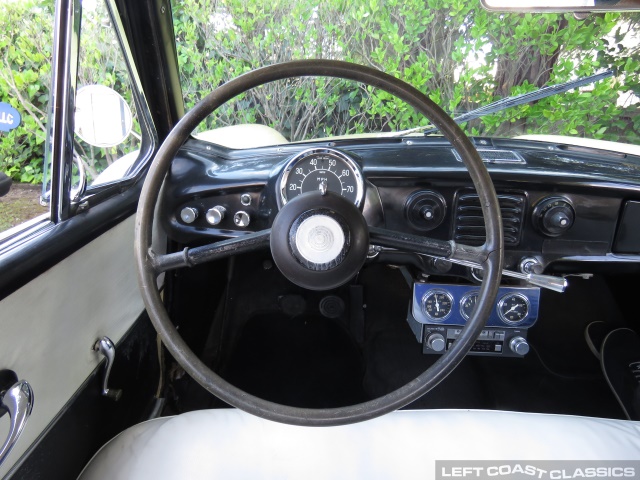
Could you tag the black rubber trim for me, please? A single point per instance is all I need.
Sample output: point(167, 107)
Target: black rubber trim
point(494, 246)
point(148, 25)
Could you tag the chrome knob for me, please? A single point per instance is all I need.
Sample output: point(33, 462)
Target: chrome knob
point(241, 219)
point(519, 346)
point(245, 199)
point(436, 342)
point(215, 215)
point(188, 214)
point(530, 265)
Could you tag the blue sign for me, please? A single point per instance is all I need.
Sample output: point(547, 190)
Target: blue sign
point(9, 117)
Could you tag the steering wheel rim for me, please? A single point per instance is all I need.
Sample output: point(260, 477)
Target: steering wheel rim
point(147, 275)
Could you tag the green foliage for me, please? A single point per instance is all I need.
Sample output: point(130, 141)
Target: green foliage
point(25, 73)
point(458, 54)
point(454, 51)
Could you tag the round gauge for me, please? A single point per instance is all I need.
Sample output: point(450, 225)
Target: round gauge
point(513, 308)
point(437, 304)
point(321, 168)
point(468, 304)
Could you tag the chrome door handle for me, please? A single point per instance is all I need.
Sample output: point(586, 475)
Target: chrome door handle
point(17, 400)
point(106, 347)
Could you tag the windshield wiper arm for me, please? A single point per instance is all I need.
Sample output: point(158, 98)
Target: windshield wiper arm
point(508, 102)
point(528, 97)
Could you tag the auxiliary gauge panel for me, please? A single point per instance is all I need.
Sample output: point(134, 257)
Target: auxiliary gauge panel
point(439, 312)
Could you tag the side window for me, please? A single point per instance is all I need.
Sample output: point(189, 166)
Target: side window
point(25, 75)
point(113, 132)
point(107, 128)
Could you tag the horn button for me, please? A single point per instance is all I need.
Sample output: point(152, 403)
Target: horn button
point(319, 241)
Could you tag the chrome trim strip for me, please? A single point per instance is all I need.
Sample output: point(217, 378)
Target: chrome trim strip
point(59, 150)
point(517, 157)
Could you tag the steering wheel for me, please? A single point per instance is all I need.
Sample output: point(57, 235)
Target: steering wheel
point(351, 258)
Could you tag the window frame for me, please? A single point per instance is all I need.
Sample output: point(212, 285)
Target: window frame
point(58, 157)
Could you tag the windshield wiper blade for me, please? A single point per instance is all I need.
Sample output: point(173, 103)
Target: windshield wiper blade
point(508, 102)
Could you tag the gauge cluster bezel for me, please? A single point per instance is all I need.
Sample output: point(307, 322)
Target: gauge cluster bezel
point(297, 159)
point(464, 298)
point(501, 302)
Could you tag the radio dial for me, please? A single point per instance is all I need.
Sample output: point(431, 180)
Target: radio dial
point(436, 342)
point(519, 346)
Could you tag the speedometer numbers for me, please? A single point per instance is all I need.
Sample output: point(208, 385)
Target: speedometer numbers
point(319, 169)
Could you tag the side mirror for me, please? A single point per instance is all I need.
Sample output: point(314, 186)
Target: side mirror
point(103, 118)
point(557, 6)
point(5, 184)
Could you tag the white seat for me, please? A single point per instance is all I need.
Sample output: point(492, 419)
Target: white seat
point(229, 444)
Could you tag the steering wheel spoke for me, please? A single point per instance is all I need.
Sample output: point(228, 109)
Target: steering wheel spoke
point(447, 249)
point(190, 257)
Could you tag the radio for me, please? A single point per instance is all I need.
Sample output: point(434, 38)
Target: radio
point(440, 311)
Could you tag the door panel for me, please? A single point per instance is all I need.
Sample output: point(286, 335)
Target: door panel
point(49, 326)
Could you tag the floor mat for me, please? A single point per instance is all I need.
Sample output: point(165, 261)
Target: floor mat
point(305, 362)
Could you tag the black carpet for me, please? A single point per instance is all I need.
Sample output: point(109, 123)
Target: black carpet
point(306, 361)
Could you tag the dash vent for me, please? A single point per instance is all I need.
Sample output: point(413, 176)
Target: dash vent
point(490, 155)
point(468, 225)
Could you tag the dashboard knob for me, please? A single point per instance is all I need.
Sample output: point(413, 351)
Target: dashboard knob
point(427, 213)
point(436, 342)
point(245, 199)
point(241, 219)
point(531, 265)
point(519, 346)
point(215, 215)
point(425, 209)
point(554, 216)
point(188, 214)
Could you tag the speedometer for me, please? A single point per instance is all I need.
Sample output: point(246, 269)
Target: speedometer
point(319, 169)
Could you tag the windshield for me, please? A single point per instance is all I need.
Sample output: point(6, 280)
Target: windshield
point(460, 55)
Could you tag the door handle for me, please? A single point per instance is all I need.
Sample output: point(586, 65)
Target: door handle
point(17, 400)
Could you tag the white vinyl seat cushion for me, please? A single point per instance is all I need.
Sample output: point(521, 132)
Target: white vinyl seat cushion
point(230, 444)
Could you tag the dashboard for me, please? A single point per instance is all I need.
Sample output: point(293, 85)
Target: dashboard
point(559, 204)
point(565, 210)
